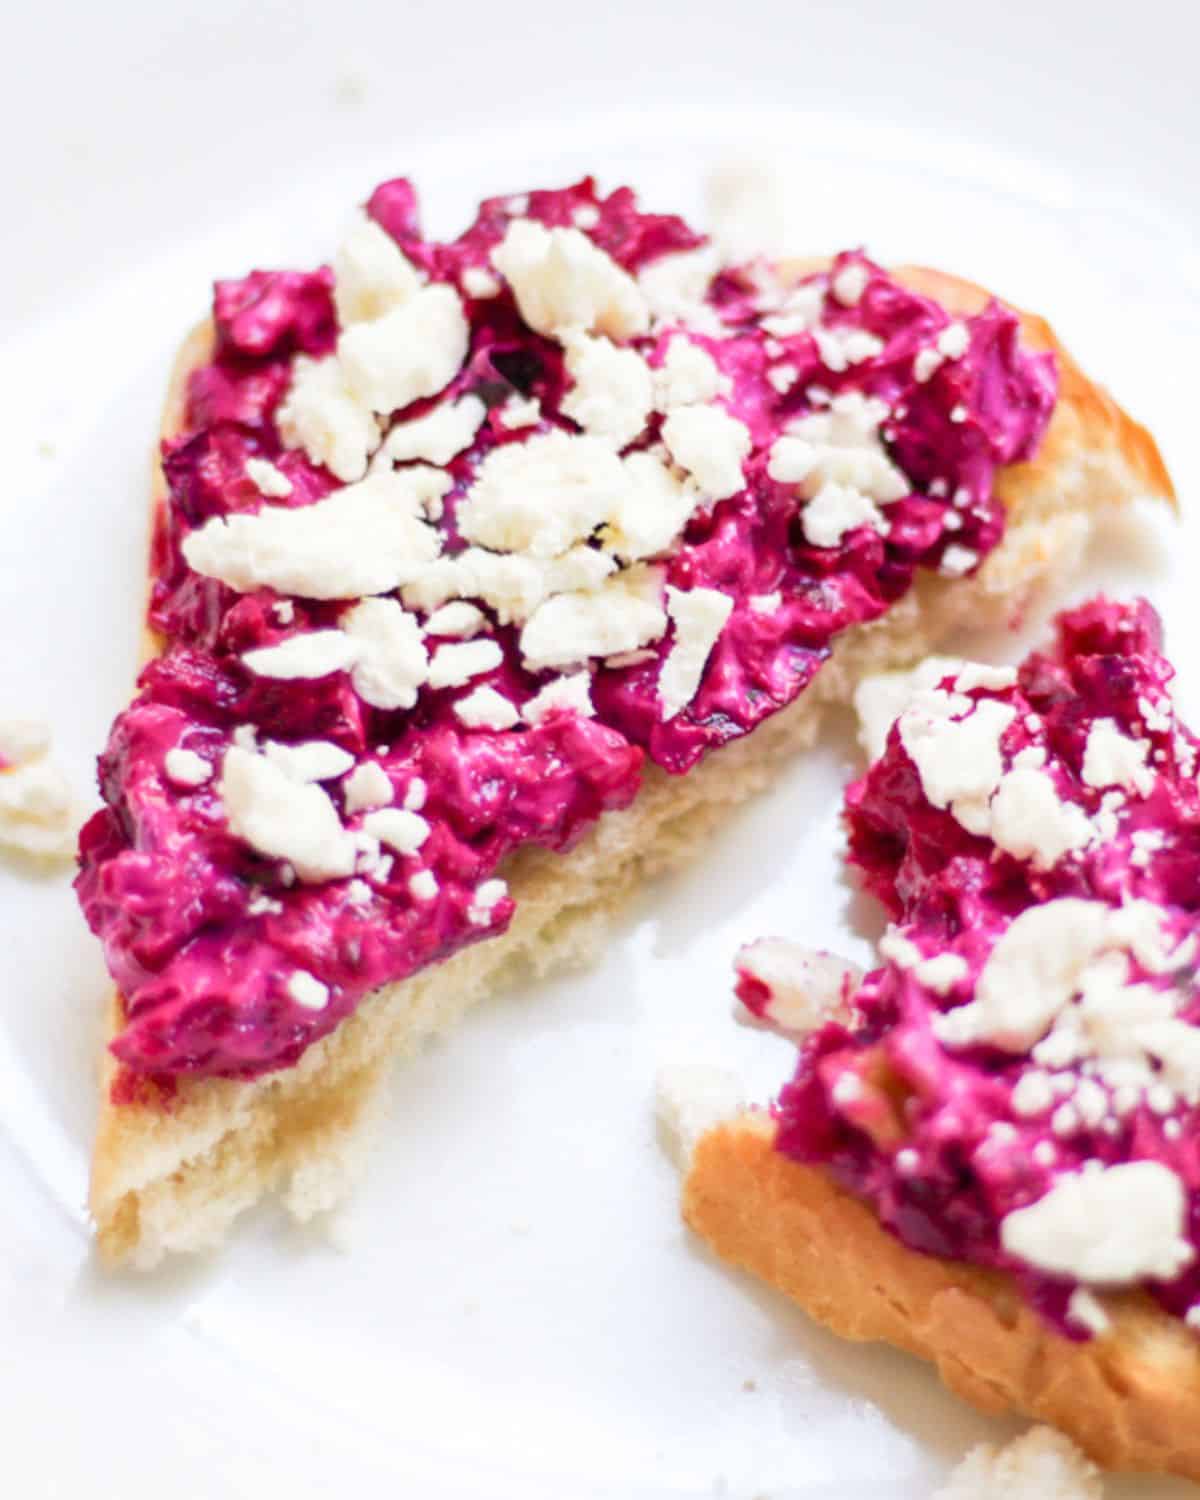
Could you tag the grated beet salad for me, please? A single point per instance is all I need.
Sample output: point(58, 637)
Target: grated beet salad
point(949, 1106)
point(231, 960)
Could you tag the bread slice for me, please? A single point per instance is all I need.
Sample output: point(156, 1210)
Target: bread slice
point(1128, 1397)
point(172, 1174)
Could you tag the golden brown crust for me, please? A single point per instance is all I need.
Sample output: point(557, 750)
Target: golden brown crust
point(171, 1174)
point(1128, 1398)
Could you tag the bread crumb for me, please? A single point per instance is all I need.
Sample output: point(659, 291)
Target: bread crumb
point(691, 1098)
point(1040, 1465)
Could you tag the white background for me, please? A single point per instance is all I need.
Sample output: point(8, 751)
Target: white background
point(518, 1311)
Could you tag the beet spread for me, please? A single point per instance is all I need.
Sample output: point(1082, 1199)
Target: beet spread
point(204, 933)
point(947, 1118)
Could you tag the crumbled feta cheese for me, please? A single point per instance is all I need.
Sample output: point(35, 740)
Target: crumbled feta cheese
point(765, 604)
point(438, 436)
point(850, 283)
point(488, 895)
point(942, 972)
point(783, 378)
point(839, 348)
point(1113, 759)
point(186, 768)
point(307, 991)
point(926, 365)
point(453, 665)
point(806, 987)
point(363, 539)
point(1030, 821)
point(313, 654)
point(954, 743)
point(958, 561)
point(391, 662)
point(1085, 1308)
point(284, 611)
point(284, 819)
point(675, 286)
point(959, 413)
point(372, 275)
point(479, 284)
point(423, 885)
point(368, 785)
point(699, 616)
point(485, 708)
point(267, 479)
point(415, 794)
point(311, 760)
point(1033, 1094)
point(322, 415)
point(612, 391)
point(413, 351)
point(880, 700)
point(977, 674)
point(690, 1098)
point(624, 613)
point(37, 815)
point(689, 375)
point(518, 412)
point(953, 341)
point(835, 511)
point(1041, 1465)
point(562, 281)
point(263, 906)
point(398, 828)
point(652, 509)
point(570, 694)
point(541, 496)
point(513, 586)
point(1105, 1225)
point(457, 619)
point(711, 444)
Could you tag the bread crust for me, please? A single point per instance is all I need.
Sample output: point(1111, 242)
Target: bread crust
point(1128, 1397)
point(171, 1173)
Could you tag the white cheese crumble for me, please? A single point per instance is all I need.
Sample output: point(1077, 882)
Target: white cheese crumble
point(372, 275)
point(186, 768)
point(453, 665)
point(806, 986)
point(415, 794)
point(311, 760)
point(612, 391)
point(699, 616)
point(307, 990)
point(267, 479)
point(674, 286)
point(562, 281)
point(1040, 1465)
point(1030, 821)
point(322, 415)
point(518, 412)
point(955, 745)
point(511, 585)
point(423, 885)
point(37, 813)
point(437, 437)
point(711, 445)
point(623, 614)
point(953, 341)
point(1113, 759)
point(391, 661)
point(1086, 1309)
point(926, 365)
point(488, 895)
point(368, 785)
point(485, 708)
point(315, 653)
point(651, 511)
point(479, 284)
point(570, 694)
point(1105, 1225)
point(958, 561)
point(690, 1098)
point(850, 283)
point(284, 819)
point(688, 376)
point(366, 538)
point(765, 604)
point(398, 828)
point(413, 351)
point(540, 497)
point(457, 619)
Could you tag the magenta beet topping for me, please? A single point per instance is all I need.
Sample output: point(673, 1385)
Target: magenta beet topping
point(945, 1138)
point(203, 932)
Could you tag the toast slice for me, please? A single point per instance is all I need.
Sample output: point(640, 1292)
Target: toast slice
point(172, 1173)
point(762, 1188)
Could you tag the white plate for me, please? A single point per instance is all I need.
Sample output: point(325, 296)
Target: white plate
point(520, 1311)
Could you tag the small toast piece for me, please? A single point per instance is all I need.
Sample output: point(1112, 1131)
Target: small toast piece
point(1128, 1396)
point(171, 1174)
